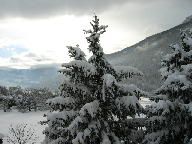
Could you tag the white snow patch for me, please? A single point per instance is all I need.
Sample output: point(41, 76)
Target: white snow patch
point(128, 101)
point(105, 139)
point(108, 80)
point(90, 108)
point(85, 66)
point(14, 118)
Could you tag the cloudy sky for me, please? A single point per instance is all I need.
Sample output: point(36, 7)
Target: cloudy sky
point(35, 32)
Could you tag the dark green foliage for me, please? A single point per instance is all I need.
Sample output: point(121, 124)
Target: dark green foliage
point(93, 106)
point(169, 120)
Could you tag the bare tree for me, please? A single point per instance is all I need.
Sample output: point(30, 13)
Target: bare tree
point(21, 134)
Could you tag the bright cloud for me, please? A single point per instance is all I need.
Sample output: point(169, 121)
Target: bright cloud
point(48, 38)
point(45, 38)
point(34, 33)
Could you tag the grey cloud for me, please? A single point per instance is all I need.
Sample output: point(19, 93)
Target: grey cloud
point(36, 57)
point(14, 60)
point(44, 8)
point(29, 57)
point(151, 17)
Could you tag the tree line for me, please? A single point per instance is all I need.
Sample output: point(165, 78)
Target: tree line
point(24, 99)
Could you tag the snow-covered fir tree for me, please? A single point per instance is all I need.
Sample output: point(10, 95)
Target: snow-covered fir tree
point(170, 119)
point(93, 106)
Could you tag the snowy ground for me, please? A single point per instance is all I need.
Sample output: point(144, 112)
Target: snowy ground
point(14, 117)
point(31, 118)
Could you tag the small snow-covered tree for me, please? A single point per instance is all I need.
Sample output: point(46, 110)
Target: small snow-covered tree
point(3, 90)
point(169, 120)
point(21, 134)
point(8, 102)
point(25, 103)
point(36, 98)
point(93, 107)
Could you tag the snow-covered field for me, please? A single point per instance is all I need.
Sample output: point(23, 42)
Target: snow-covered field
point(31, 118)
point(14, 117)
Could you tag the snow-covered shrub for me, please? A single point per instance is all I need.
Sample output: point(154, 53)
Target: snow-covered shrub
point(8, 102)
point(40, 97)
point(21, 134)
point(3, 90)
point(25, 103)
point(24, 99)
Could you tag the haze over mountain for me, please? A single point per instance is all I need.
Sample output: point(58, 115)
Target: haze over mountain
point(42, 76)
point(145, 55)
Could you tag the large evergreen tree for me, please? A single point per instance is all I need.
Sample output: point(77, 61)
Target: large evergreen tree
point(93, 107)
point(169, 120)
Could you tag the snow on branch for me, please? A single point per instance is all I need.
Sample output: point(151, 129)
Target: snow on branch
point(132, 90)
point(155, 137)
point(61, 102)
point(156, 98)
point(187, 70)
point(76, 52)
point(175, 83)
point(108, 88)
point(108, 80)
point(131, 103)
point(79, 139)
point(92, 129)
point(62, 116)
point(91, 108)
point(162, 106)
point(105, 137)
point(74, 90)
point(73, 127)
point(189, 108)
point(155, 119)
point(83, 66)
point(188, 41)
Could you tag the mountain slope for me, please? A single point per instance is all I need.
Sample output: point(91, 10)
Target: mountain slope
point(146, 55)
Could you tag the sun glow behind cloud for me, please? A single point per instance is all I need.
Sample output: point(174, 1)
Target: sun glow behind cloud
point(44, 38)
point(47, 39)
